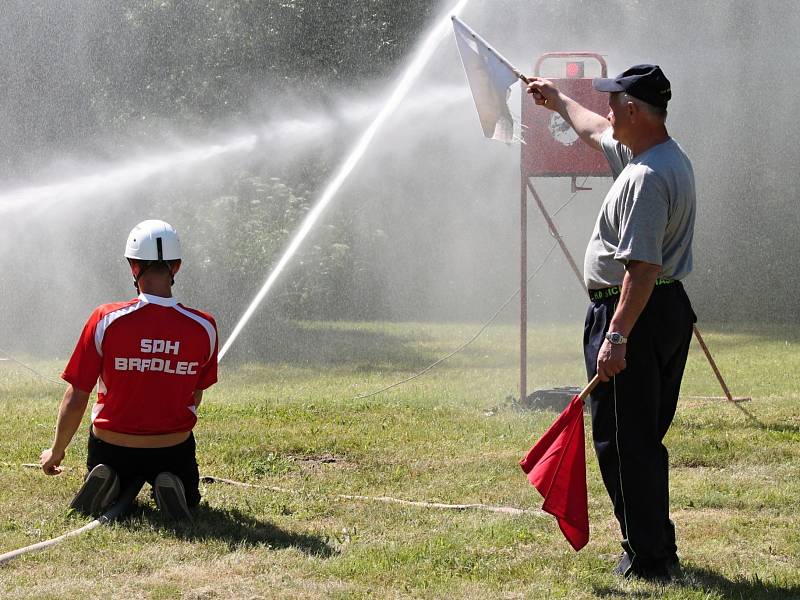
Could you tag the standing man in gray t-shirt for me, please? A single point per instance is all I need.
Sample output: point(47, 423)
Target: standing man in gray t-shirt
point(639, 323)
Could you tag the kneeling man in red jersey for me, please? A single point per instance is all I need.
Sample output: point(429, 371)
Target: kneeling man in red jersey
point(151, 358)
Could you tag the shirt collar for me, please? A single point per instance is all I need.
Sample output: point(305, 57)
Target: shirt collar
point(160, 300)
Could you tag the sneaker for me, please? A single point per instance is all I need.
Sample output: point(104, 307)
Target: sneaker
point(171, 497)
point(674, 569)
point(99, 491)
point(623, 568)
point(663, 572)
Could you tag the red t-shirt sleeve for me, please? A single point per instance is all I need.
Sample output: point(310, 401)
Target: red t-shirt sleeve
point(84, 365)
point(208, 372)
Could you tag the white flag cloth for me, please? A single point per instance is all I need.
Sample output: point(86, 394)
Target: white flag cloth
point(489, 79)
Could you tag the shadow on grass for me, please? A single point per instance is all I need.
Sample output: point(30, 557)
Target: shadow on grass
point(752, 589)
point(234, 528)
point(708, 581)
point(767, 332)
point(782, 428)
point(613, 592)
point(785, 429)
point(330, 344)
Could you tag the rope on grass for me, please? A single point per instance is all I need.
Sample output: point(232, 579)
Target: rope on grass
point(8, 556)
point(31, 369)
point(112, 514)
point(508, 510)
point(130, 493)
point(468, 342)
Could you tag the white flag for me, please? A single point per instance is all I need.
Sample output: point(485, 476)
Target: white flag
point(490, 77)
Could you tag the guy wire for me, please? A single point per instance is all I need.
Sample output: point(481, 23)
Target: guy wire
point(485, 325)
point(31, 369)
point(425, 370)
point(468, 342)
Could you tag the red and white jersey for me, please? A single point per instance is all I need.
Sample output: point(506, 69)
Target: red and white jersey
point(147, 356)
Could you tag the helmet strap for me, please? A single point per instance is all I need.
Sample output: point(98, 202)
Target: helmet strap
point(149, 264)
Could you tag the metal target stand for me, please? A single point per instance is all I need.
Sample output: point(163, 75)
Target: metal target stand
point(551, 148)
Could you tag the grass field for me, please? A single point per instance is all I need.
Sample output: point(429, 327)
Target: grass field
point(454, 435)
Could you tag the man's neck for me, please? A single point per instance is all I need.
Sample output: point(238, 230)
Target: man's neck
point(164, 291)
point(648, 140)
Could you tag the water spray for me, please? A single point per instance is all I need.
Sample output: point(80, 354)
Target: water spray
point(293, 132)
point(119, 177)
point(439, 32)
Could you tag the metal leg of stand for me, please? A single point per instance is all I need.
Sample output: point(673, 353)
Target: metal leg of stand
point(554, 232)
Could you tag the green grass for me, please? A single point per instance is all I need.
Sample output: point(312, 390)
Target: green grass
point(293, 420)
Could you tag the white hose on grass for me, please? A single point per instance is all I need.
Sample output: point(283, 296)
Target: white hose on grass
point(508, 510)
point(112, 514)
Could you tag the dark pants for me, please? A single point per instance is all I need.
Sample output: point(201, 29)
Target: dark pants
point(145, 463)
point(632, 413)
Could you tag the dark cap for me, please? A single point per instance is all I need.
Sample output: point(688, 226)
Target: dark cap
point(645, 82)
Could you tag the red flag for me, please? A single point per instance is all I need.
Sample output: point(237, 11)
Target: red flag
point(556, 466)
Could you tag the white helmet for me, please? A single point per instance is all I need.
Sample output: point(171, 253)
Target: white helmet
point(153, 240)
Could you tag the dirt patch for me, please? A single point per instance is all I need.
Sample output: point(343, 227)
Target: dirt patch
point(321, 461)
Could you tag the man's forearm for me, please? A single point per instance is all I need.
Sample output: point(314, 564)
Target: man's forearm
point(70, 415)
point(637, 287)
point(586, 123)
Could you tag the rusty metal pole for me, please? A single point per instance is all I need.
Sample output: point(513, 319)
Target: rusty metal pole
point(554, 232)
point(568, 255)
point(523, 290)
point(713, 364)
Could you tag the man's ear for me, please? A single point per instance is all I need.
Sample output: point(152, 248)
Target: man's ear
point(175, 266)
point(135, 267)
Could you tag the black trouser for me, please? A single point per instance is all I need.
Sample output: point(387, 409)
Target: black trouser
point(631, 415)
point(145, 463)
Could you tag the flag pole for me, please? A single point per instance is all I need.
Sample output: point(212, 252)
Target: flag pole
point(523, 242)
point(589, 387)
point(497, 55)
point(523, 292)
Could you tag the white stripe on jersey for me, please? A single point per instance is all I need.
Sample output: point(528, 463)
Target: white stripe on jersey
point(96, 410)
point(212, 334)
point(107, 320)
point(144, 300)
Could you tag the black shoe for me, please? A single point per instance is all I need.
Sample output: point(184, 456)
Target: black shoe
point(99, 491)
point(623, 567)
point(663, 572)
point(660, 573)
point(674, 568)
point(171, 497)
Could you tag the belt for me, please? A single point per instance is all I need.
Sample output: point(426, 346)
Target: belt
point(610, 292)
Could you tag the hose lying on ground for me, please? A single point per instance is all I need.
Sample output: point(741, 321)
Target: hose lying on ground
point(130, 493)
point(112, 514)
point(509, 510)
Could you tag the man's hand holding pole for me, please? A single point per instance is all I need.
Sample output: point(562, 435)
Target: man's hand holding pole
point(586, 123)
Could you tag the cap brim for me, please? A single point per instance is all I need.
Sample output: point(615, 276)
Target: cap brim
point(606, 85)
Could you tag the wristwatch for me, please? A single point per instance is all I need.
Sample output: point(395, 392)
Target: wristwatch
point(616, 338)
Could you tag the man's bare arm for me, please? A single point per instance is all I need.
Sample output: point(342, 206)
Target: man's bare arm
point(70, 415)
point(637, 287)
point(586, 123)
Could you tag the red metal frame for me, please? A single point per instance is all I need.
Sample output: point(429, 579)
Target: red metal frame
point(544, 156)
point(549, 55)
point(551, 147)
